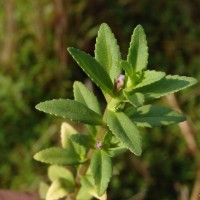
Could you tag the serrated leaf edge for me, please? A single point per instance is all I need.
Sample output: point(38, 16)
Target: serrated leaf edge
point(131, 44)
point(107, 89)
point(125, 143)
point(114, 41)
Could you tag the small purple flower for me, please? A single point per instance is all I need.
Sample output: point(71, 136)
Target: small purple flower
point(98, 145)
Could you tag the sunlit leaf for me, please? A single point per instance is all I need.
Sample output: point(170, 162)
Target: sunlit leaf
point(43, 189)
point(66, 132)
point(138, 50)
point(56, 172)
point(59, 188)
point(101, 170)
point(125, 130)
point(56, 155)
point(151, 115)
point(70, 109)
point(107, 51)
point(93, 69)
point(150, 77)
point(83, 95)
point(83, 194)
point(167, 85)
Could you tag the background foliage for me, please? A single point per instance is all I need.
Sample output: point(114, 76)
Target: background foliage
point(35, 66)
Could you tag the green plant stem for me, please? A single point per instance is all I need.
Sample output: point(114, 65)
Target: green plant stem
point(82, 170)
point(80, 173)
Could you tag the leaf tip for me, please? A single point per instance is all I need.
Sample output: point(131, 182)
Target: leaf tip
point(103, 25)
point(37, 157)
point(38, 106)
point(70, 50)
point(139, 27)
point(138, 152)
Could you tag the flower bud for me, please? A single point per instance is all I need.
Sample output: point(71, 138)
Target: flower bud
point(120, 82)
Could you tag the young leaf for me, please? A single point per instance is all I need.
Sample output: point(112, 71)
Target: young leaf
point(55, 172)
point(92, 130)
point(93, 69)
point(167, 85)
point(150, 77)
point(107, 51)
point(125, 130)
point(82, 140)
point(70, 109)
point(115, 151)
point(66, 131)
point(150, 116)
point(43, 189)
point(136, 99)
point(88, 185)
point(115, 146)
point(59, 188)
point(83, 194)
point(83, 95)
point(59, 156)
point(126, 66)
point(101, 170)
point(138, 50)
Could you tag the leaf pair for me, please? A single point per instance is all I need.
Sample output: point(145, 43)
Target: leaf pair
point(84, 108)
point(105, 67)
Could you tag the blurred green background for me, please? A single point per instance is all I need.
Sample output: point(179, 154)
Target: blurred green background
point(35, 66)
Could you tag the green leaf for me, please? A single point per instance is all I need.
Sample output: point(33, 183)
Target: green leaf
point(113, 145)
point(59, 188)
point(167, 85)
point(56, 155)
point(126, 66)
point(70, 109)
point(82, 140)
point(55, 172)
point(138, 50)
point(83, 194)
point(83, 95)
point(101, 170)
point(115, 151)
point(66, 131)
point(43, 189)
point(150, 77)
point(107, 51)
point(87, 183)
point(125, 130)
point(92, 130)
point(93, 69)
point(136, 99)
point(150, 116)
